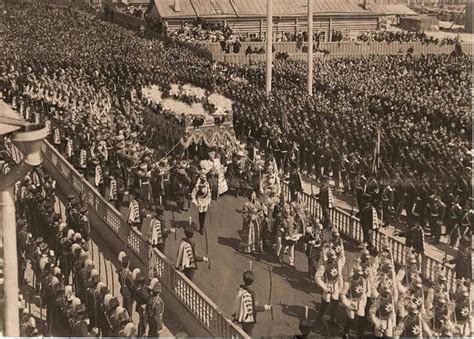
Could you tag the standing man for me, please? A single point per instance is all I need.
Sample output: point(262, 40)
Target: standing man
point(84, 224)
point(368, 221)
point(201, 197)
point(187, 258)
point(126, 283)
point(295, 183)
point(246, 307)
point(382, 312)
point(326, 200)
point(158, 232)
point(354, 299)
point(155, 310)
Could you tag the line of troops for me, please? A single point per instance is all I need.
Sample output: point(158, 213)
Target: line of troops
point(65, 279)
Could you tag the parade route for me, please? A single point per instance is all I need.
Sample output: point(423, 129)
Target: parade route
point(292, 289)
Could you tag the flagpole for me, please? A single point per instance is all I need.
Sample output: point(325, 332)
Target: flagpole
point(310, 47)
point(269, 46)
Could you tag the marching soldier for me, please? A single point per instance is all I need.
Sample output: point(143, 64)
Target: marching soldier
point(382, 312)
point(155, 309)
point(158, 232)
point(413, 325)
point(435, 216)
point(187, 258)
point(354, 299)
point(84, 224)
point(141, 296)
point(313, 247)
point(126, 282)
point(99, 177)
point(201, 197)
point(246, 307)
point(329, 278)
point(368, 221)
point(388, 198)
point(326, 200)
point(134, 214)
point(462, 311)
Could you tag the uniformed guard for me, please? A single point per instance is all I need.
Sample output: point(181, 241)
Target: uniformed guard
point(134, 216)
point(313, 246)
point(141, 296)
point(462, 311)
point(158, 231)
point(354, 299)
point(187, 258)
point(99, 178)
point(84, 224)
point(413, 325)
point(246, 307)
point(113, 190)
point(201, 197)
point(329, 279)
point(155, 309)
point(382, 312)
point(126, 281)
point(326, 200)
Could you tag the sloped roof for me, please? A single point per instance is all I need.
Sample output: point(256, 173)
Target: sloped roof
point(396, 9)
point(245, 8)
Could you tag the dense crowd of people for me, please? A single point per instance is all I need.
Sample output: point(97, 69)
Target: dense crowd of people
point(404, 36)
point(83, 78)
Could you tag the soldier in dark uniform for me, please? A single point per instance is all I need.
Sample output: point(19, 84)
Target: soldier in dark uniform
point(155, 308)
point(141, 295)
point(415, 236)
point(295, 183)
point(326, 200)
point(246, 308)
point(84, 224)
point(368, 222)
point(126, 282)
point(187, 258)
point(313, 247)
point(305, 328)
point(79, 323)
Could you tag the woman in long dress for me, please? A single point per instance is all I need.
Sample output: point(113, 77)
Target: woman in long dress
point(251, 226)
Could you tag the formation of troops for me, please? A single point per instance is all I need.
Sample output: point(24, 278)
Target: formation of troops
point(91, 104)
point(67, 285)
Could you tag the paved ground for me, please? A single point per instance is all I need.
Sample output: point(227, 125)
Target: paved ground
point(291, 288)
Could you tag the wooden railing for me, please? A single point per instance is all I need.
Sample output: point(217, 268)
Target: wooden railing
point(188, 294)
point(350, 226)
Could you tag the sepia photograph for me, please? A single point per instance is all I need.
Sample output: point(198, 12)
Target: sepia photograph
point(236, 168)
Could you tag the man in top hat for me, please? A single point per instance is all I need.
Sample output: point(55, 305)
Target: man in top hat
point(187, 258)
point(201, 197)
point(155, 309)
point(246, 307)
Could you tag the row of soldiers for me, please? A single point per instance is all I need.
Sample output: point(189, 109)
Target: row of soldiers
point(66, 280)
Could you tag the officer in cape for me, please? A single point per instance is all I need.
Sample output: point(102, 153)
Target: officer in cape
point(246, 307)
point(187, 258)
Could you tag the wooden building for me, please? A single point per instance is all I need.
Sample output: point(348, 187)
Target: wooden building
point(248, 16)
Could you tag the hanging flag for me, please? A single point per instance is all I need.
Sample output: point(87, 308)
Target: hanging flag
point(376, 157)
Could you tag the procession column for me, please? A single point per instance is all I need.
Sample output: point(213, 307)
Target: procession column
point(269, 46)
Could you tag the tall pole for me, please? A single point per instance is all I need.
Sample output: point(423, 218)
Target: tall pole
point(310, 47)
point(269, 45)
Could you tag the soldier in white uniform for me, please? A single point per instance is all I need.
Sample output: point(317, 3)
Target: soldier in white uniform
point(201, 197)
point(329, 278)
point(354, 299)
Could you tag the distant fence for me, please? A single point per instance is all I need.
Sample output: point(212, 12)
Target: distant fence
point(350, 226)
point(345, 47)
point(184, 290)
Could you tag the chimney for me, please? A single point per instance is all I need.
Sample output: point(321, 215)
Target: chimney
point(177, 8)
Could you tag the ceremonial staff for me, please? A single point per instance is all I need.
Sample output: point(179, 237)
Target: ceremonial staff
point(270, 292)
point(207, 249)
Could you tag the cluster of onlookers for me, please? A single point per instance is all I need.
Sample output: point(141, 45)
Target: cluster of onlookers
point(404, 36)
